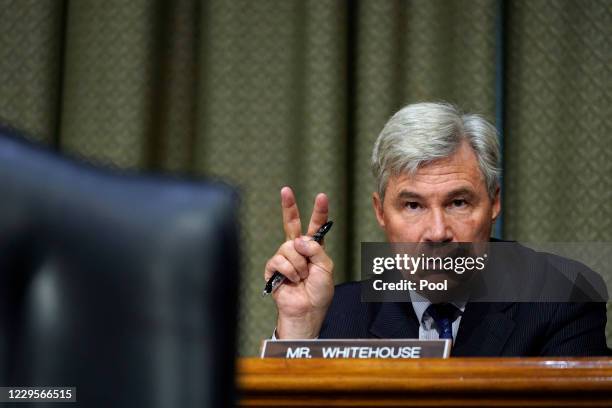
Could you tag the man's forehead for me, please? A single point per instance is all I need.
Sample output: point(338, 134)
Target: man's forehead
point(406, 186)
point(458, 171)
point(463, 159)
point(441, 172)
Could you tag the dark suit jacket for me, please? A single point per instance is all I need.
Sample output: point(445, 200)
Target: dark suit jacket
point(486, 329)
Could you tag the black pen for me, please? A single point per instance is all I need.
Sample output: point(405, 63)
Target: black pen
point(277, 278)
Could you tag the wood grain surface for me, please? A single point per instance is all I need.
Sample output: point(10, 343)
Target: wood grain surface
point(551, 382)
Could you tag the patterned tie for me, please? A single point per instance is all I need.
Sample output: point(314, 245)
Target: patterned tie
point(444, 314)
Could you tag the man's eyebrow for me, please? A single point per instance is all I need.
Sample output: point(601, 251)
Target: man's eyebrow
point(405, 194)
point(465, 191)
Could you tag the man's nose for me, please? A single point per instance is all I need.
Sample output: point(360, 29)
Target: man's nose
point(437, 229)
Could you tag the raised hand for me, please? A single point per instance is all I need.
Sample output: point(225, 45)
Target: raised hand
point(302, 301)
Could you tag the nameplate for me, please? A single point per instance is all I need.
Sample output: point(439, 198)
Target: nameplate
point(356, 348)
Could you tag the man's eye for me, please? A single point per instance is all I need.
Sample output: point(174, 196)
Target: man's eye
point(413, 205)
point(458, 203)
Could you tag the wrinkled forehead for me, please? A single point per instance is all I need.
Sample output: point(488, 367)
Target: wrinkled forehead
point(460, 170)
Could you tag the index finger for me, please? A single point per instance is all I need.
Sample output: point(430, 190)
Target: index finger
point(320, 211)
point(291, 214)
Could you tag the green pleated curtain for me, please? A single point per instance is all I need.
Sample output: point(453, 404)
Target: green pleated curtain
point(269, 93)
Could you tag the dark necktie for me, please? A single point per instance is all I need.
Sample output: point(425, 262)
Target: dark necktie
point(444, 314)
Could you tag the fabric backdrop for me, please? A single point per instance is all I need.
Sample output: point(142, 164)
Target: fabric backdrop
point(273, 92)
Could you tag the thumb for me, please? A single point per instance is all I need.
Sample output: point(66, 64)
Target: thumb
point(305, 246)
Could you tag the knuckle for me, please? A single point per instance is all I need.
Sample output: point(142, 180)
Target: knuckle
point(284, 265)
point(302, 262)
point(277, 259)
point(293, 276)
point(278, 263)
point(286, 246)
point(287, 269)
point(295, 257)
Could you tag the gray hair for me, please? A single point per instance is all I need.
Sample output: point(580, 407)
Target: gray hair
point(421, 133)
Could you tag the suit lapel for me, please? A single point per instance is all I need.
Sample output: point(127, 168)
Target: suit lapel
point(395, 320)
point(484, 330)
point(486, 326)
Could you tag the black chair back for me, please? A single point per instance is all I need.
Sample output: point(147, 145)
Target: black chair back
point(121, 285)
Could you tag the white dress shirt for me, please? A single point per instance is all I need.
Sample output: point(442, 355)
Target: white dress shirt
point(428, 329)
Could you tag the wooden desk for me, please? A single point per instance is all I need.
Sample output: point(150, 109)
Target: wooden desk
point(554, 382)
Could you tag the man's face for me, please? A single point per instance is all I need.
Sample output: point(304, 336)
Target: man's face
point(444, 201)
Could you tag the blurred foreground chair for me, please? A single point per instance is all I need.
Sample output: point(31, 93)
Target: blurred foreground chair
point(122, 285)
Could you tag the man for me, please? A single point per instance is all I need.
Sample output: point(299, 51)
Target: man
point(437, 182)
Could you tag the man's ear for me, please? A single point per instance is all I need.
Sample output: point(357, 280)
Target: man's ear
point(378, 209)
point(496, 207)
